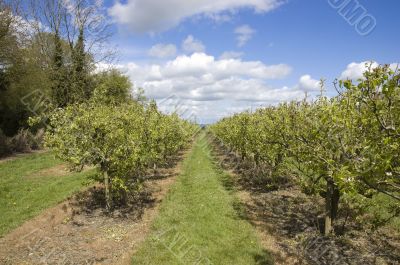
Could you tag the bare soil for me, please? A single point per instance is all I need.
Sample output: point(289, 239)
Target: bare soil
point(79, 231)
point(289, 223)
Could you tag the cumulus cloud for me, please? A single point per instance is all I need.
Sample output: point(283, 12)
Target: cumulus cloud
point(211, 88)
point(244, 34)
point(150, 16)
point(355, 70)
point(191, 45)
point(307, 83)
point(202, 77)
point(163, 50)
point(231, 55)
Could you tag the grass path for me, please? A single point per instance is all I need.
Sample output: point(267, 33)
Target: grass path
point(32, 183)
point(198, 221)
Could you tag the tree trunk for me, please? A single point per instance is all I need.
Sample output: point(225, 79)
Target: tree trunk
point(155, 171)
point(107, 189)
point(331, 205)
point(256, 160)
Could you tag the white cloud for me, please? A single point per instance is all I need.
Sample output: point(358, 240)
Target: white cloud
point(152, 16)
point(191, 45)
point(355, 70)
point(163, 50)
point(231, 55)
point(244, 34)
point(211, 88)
point(201, 77)
point(307, 83)
point(220, 17)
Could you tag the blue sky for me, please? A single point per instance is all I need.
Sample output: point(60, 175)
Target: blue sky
point(223, 56)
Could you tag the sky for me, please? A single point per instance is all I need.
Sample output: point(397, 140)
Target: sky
point(211, 58)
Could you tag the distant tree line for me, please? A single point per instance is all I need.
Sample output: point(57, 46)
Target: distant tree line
point(49, 50)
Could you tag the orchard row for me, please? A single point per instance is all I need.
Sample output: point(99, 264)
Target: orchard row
point(346, 147)
point(124, 140)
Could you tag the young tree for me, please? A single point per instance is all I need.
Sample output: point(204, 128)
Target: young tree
point(123, 140)
point(376, 97)
point(106, 136)
point(346, 145)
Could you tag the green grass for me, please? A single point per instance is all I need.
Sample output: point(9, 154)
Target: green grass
point(24, 193)
point(198, 221)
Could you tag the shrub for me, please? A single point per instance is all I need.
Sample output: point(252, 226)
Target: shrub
point(37, 140)
point(21, 142)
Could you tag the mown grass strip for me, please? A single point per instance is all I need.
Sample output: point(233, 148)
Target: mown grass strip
point(23, 197)
point(198, 223)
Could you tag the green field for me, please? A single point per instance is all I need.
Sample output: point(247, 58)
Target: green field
point(26, 188)
point(198, 223)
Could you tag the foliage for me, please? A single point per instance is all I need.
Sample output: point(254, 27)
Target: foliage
point(345, 146)
point(377, 100)
point(45, 59)
point(112, 88)
point(19, 73)
point(122, 140)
